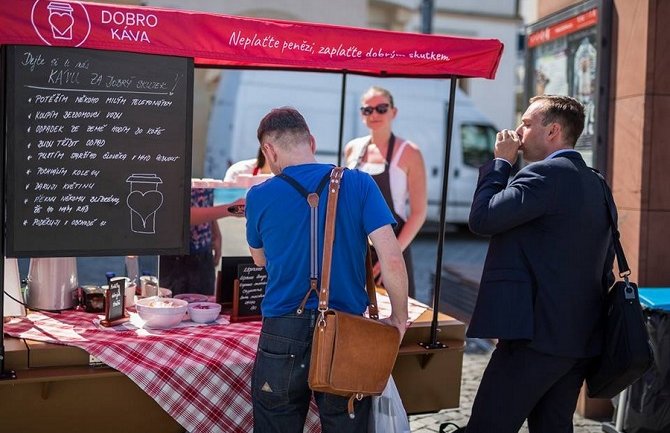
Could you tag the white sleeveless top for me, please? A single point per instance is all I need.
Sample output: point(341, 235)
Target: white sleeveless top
point(397, 177)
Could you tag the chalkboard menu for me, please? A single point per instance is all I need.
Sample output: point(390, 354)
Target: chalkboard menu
point(115, 302)
point(249, 292)
point(98, 152)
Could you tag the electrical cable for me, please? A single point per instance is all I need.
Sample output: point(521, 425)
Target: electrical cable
point(35, 308)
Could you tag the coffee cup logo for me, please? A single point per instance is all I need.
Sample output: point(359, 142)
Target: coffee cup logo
point(144, 200)
point(58, 22)
point(61, 20)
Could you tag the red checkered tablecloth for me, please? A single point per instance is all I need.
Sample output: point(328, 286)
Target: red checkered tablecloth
point(199, 375)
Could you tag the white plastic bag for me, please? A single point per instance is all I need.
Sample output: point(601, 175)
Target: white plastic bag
point(388, 414)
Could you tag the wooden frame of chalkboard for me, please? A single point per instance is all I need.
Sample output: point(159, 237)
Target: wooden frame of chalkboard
point(115, 302)
point(98, 148)
point(242, 286)
point(248, 293)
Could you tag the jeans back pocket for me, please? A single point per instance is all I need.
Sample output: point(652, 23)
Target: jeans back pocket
point(272, 377)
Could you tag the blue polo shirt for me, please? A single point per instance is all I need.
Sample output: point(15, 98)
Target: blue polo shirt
point(278, 220)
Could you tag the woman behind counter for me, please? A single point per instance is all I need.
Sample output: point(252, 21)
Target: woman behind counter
point(397, 167)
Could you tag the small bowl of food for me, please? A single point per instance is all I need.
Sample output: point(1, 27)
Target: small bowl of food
point(204, 312)
point(161, 313)
point(191, 297)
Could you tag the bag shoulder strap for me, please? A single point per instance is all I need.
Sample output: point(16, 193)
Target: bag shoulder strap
point(624, 270)
point(329, 238)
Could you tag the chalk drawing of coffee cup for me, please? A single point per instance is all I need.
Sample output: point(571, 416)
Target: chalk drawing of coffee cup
point(144, 200)
point(61, 20)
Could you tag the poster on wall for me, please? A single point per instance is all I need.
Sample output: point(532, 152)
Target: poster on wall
point(562, 59)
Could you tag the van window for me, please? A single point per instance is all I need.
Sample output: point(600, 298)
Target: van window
point(477, 142)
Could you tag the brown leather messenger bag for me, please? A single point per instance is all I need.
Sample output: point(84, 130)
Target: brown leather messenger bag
point(352, 355)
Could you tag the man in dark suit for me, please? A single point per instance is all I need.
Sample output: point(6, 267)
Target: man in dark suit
point(549, 261)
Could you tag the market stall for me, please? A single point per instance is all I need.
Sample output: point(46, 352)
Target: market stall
point(192, 377)
point(97, 107)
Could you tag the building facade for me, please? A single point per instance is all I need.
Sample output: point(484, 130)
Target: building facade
point(638, 148)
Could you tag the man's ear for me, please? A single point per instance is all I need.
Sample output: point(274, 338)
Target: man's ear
point(312, 143)
point(554, 130)
point(269, 152)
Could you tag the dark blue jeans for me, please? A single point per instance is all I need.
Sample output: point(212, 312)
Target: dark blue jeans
point(280, 392)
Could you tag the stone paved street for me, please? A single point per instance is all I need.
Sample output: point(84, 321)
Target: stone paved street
point(473, 367)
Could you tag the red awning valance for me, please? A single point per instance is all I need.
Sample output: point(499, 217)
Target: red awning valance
point(231, 41)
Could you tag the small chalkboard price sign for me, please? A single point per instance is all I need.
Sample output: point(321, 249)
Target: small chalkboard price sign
point(248, 292)
point(115, 311)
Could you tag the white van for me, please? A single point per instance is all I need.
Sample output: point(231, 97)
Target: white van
point(244, 97)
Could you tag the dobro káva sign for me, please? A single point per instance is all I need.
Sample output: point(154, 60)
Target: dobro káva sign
point(70, 21)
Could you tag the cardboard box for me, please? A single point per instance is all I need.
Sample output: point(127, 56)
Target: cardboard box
point(594, 408)
point(430, 380)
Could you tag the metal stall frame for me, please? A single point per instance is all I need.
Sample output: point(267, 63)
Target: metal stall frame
point(213, 40)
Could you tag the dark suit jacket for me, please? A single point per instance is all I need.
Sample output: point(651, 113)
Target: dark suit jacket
point(550, 255)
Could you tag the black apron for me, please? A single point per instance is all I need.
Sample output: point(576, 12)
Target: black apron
point(383, 181)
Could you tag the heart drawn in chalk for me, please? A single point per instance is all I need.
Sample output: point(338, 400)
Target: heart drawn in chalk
point(144, 203)
point(62, 22)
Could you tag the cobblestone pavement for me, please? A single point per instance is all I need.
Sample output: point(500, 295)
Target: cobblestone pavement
point(474, 363)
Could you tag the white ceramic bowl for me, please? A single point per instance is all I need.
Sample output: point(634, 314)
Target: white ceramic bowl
point(161, 313)
point(204, 312)
point(191, 297)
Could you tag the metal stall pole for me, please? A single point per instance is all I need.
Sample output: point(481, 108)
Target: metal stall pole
point(427, 16)
point(4, 374)
point(433, 343)
point(341, 131)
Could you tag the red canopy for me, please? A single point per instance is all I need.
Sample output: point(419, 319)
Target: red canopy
point(231, 41)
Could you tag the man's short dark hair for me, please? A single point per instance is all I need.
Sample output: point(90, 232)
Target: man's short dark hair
point(564, 110)
point(281, 121)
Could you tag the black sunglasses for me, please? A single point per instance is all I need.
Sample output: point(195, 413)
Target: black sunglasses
point(381, 109)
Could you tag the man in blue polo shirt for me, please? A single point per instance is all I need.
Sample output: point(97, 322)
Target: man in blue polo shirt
point(278, 233)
